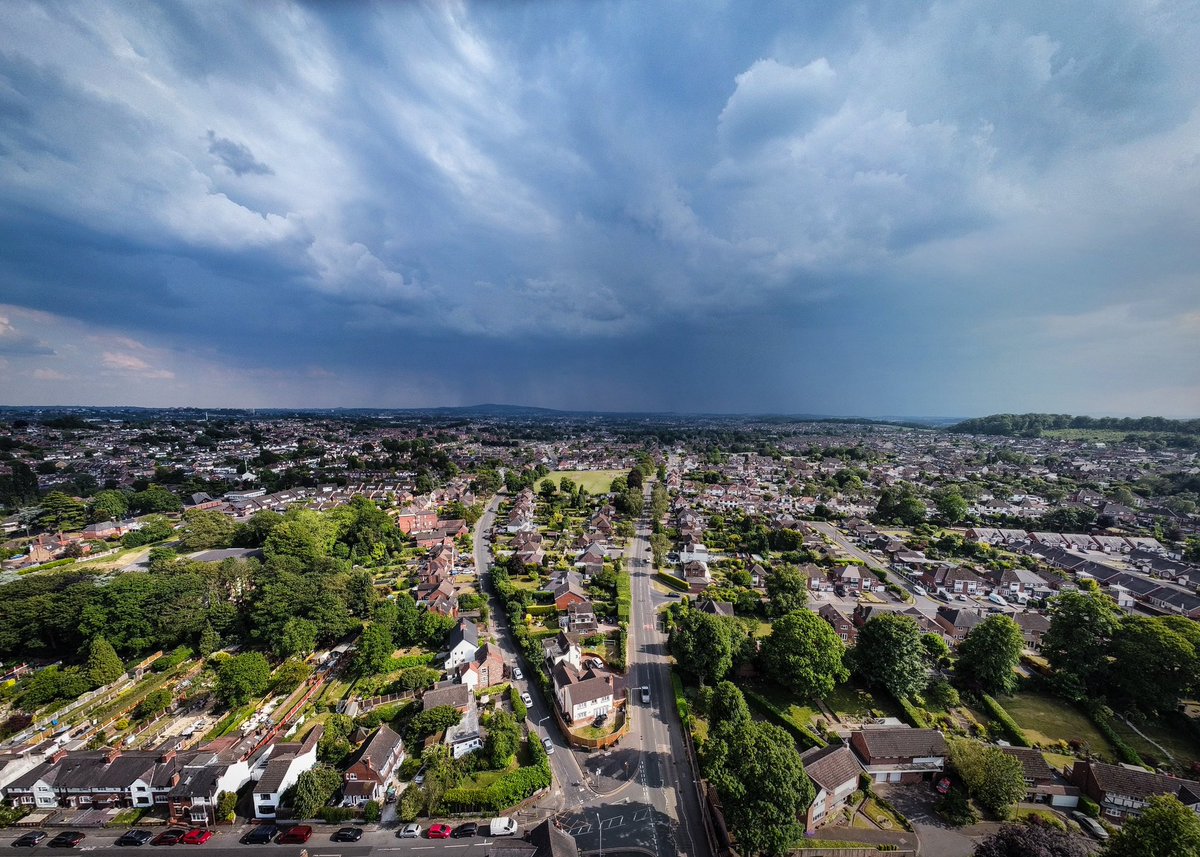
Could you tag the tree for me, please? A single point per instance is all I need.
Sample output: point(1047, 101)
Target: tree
point(20, 487)
point(360, 593)
point(103, 665)
point(155, 703)
point(936, 648)
point(951, 505)
point(888, 652)
point(702, 644)
point(291, 674)
point(227, 807)
point(253, 533)
point(989, 654)
point(803, 652)
point(994, 778)
point(299, 637)
point(154, 499)
point(431, 722)
point(62, 513)
point(787, 591)
point(503, 739)
point(900, 504)
point(1082, 625)
point(375, 648)
point(1165, 826)
point(108, 506)
point(242, 677)
point(204, 529)
point(314, 788)
point(1035, 841)
point(372, 812)
point(547, 490)
point(634, 479)
point(209, 642)
point(1166, 665)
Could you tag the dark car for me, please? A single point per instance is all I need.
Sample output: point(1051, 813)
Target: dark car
point(260, 835)
point(297, 835)
point(464, 830)
point(348, 834)
point(134, 838)
point(839, 591)
point(66, 839)
point(170, 837)
point(30, 839)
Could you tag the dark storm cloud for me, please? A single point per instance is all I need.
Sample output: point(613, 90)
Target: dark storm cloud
point(936, 207)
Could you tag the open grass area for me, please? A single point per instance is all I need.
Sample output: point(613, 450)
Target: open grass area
point(1174, 738)
point(1046, 719)
point(595, 481)
point(803, 714)
point(856, 702)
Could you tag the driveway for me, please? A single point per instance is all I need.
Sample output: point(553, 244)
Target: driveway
point(937, 838)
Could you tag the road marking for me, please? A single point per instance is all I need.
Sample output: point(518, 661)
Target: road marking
point(615, 821)
point(640, 814)
point(581, 829)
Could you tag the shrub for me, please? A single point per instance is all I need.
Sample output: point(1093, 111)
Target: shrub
point(996, 710)
point(1089, 807)
point(955, 809)
point(672, 581)
point(372, 812)
point(519, 708)
point(681, 703)
point(798, 730)
point(336, 814)
point(915, 716)
point(1100, 716)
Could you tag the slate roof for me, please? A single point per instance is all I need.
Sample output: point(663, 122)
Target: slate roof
point(1119, 780)
point(376, 749)
point(830, 767)
point(457, 695)
point(1032, 762)
point(900, 742)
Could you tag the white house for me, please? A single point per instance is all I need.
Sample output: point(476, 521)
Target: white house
point(280, 770)
point(462, 644)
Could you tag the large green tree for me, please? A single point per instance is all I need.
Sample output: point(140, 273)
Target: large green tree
point(204, 529)
point(155, 498)
point(994, 778)
point(889, 653)
point(1082, 626)
point(109, 506)
point(1165, 826)
point(787, 590)
point(703, 645)
point(103, 665)
point(1153, 665)
point(62, 513)
point(242, 677)
point(314, 788)
point(1034, 841)
point(803, 652)
point(989, 654)
point(375, 647)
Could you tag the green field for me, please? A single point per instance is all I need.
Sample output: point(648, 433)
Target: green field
point(857, 703)
point(1175, 739)
point(1045, 719)
point(595, 481)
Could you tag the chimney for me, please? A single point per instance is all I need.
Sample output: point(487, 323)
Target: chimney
point(57, 756)
point(112, 755)
point(167, 757)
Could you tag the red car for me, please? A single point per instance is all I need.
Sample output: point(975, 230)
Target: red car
point(439, 831)
point(296, 836)
point(197, 836)
point(943, 786)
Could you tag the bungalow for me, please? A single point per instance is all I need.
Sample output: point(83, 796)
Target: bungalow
point(693, 551)
point(899, 754)
point(450, 694)
point(466, 736)
point(103, 530)
point(365, 778)
point(545, 840)
point(1123, 792)
point(834, 770)
point(716, 608)
point(1043, 783)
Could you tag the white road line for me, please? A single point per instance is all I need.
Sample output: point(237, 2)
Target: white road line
point(615, 821)
point(640, 814)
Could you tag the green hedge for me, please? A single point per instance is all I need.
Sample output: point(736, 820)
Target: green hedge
point(507, 791)
point(1015, 733)
point(624, 596)
point(541, 609)
point(672, 581)
point(914, 715)
point(409, 661)
point(798, 730)
point(619, 658)
point(681, 703)
point(1126, 753)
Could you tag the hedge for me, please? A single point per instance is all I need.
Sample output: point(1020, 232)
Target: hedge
point(915, 716)
point(409, 661)
point(624, 596)
point(619, 658)
point(506, 792)
point(541, 609)
point(1124, 751)
point(672, 581)
point(1015, 733)
point(681, 703)
point(799, 731)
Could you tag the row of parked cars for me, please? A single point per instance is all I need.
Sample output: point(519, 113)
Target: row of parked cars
point(175, 835)
point(502, 826)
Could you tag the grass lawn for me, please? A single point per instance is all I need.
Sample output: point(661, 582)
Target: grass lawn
point(1179, 742)
point(804, 714)
point(855, 702)
point(1058, 761)
point(595, 481)
point(1048, 720)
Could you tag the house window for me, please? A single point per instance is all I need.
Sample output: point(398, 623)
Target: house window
point(351, 777)
point(199, 816)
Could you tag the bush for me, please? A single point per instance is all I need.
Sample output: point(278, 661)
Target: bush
point(372, 812)
point(624, 596)
point(955, 809)
point(507, 791)
point(672, 581)
point(1014, 732)
point(1089, 807)
point(681, 703)
point(519, 708)
point(337, 814)
point(1100, 716)
point(411, 802)
point(915, 716)
point(798, 730)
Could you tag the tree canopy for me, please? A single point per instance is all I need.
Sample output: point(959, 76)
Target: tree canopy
point(1165, 826)
point(787, 590)
point(803, 652)
point(1082, 624)
point(989, 654)
point(888, 652)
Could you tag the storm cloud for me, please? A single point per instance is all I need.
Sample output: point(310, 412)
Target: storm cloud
point(886, 208)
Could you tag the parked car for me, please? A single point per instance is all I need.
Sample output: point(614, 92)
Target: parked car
point(517, 674)
point(409, 831)
point(348, 834)
point(920, 590)
point(420, 777)
point(439, 831)
point(1090, 825)
point(134, 838)
point(503, 826)
point(996, 598)
point(549, 745)
point(66, 839)
point(839, 591)
point(260, 835)
point(943, 786)
point(466, 829)
point(30, 839)
point(526, 698)
point(196, 836)
point(297, 835)
point(170, 836)
point(645, 694)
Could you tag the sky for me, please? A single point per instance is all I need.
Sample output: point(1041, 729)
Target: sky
point(874, 208)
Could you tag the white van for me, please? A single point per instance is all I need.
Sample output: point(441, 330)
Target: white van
point(997, 598)
point(920, 590)
point(503, 826)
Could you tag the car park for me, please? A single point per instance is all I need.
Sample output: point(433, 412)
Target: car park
point(409, 831)
point(526, 698)
point(66, 839)
point(30, 839)
point(549, 745)
point(347, 834)
point(439, 831)
point(297, 835)
point(466, 829)
point(170, 836)
point(260, 835)
point(134, 838)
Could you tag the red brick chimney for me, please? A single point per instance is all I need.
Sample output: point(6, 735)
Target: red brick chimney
point(167, 756)
point(112, 755)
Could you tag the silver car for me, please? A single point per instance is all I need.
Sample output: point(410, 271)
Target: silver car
point(410, 831)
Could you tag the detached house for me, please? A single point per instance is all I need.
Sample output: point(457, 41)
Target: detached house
point(462, 644)
point(1124, 792)
point(899, 754)
point(582, 696)
point(485, 669)
point(366, 777)
point(834, 771)
point(842, 625)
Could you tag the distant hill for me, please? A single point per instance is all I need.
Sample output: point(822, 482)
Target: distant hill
point(1033, 425)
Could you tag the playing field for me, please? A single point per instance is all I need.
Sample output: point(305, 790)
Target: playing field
point(595, 481)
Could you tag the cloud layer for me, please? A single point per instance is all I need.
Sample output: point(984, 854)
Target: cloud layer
point(944, 208)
